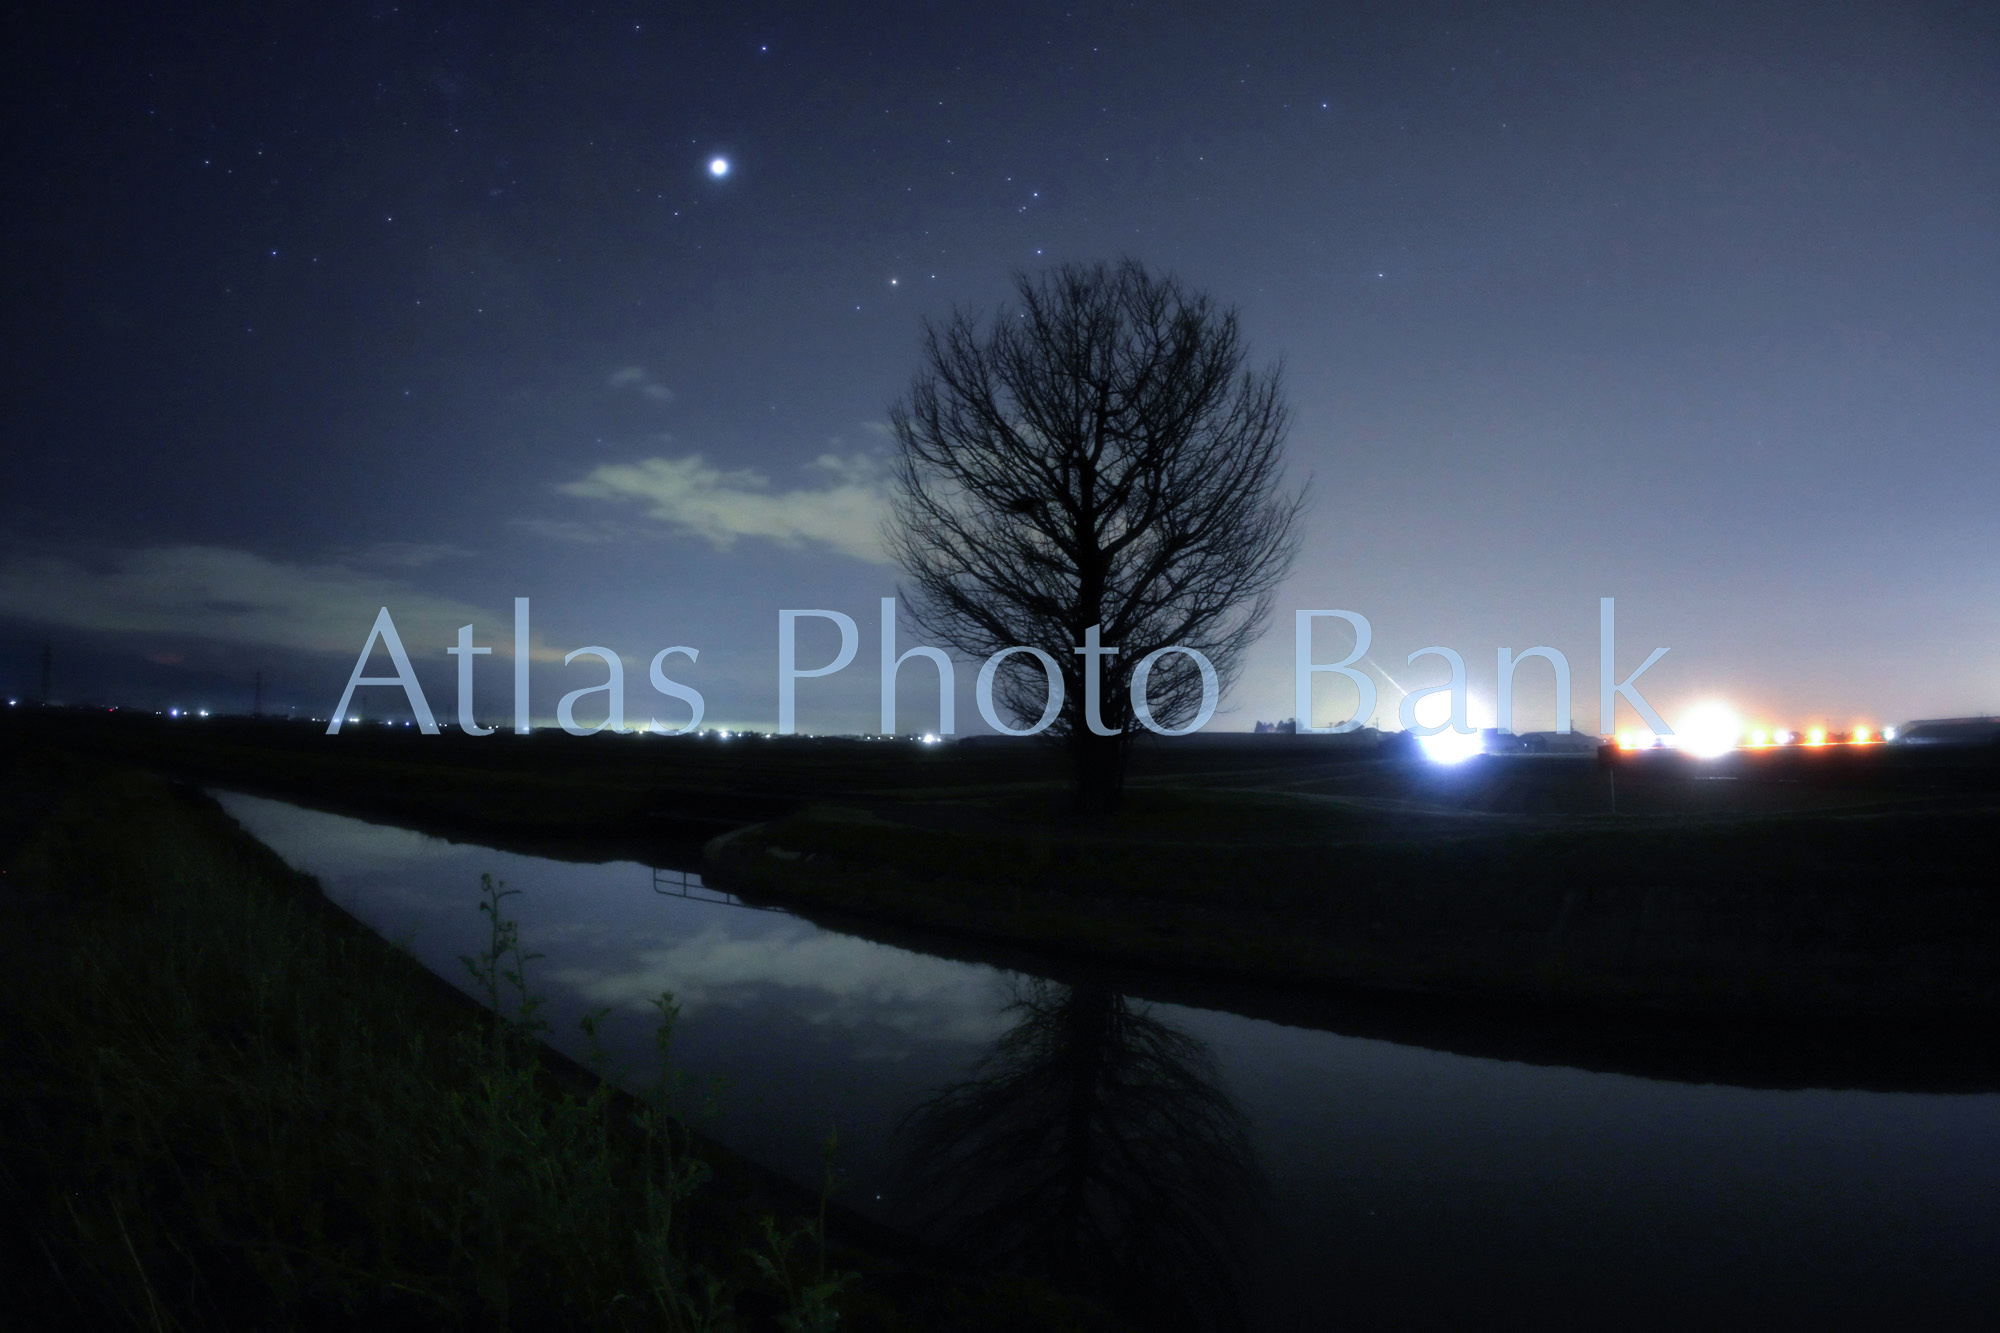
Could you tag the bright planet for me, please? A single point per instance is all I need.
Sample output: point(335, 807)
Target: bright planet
point(718, 167)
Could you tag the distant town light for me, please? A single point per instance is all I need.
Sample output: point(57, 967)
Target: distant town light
point(1817, 736)
point(1758, 738)
point(1451, 747)
point(1888, 733)
point(1710, 730)
point(1861, 735)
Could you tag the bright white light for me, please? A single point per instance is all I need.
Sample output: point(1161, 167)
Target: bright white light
point(718, 167)
point(930, 739)
point(1888, 733)
point(204, 712)
point(173, 712)
point(1709, 730)
point(1451, 747)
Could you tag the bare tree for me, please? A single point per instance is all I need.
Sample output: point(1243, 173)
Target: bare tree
point(1097, 458)
point(1095, 1146)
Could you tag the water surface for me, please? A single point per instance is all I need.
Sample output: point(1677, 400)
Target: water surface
point(1200, 1165)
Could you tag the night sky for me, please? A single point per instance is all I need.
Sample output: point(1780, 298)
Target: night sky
point(311, 311)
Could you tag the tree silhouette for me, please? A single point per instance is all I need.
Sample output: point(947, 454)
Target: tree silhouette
point(1098, 458)
point(1094, 1146)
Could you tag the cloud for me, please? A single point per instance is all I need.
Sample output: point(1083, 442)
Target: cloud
point(233, 596)
point(628, 377)
point(831, 978)
point(410, 555)
point(845, 513)
point(603, 532)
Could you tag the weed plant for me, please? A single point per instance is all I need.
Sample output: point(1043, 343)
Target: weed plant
point(229, 1107)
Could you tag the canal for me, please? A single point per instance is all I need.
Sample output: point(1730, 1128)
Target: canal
point(1203, 1168)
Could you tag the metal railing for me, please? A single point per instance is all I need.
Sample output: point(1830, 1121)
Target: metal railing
point(687, 884)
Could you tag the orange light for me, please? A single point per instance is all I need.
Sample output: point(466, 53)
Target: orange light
point(1861, 736)
point(1757, 740)
point(1817, 736)
point(1625, 741)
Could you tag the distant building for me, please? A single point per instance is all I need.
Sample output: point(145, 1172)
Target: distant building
point(1289, 727)
point(1950, 731)
point(1559, 742)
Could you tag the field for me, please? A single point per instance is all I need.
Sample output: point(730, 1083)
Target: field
point(1837, 883)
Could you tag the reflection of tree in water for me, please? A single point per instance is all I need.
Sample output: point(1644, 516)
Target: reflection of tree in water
point(1094, 1146)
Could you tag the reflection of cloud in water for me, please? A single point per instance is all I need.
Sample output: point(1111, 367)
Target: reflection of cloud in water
point(581, 935)
point(622, 948)
point(322, 844)
point(836, 980)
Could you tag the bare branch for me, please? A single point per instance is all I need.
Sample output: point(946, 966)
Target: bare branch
point(1100, 456)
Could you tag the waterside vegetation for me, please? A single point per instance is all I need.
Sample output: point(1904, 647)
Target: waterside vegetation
point(1841, 885)
point(1866, 915)
point(228, 1105)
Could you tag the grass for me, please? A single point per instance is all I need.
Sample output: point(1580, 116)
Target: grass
point(1839, 885)
point(1882, 914)
point(226, 1111)
point(228, 1105)
point(549, 789)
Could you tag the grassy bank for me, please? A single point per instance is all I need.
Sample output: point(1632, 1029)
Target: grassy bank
point(230, 1106)
point(1865, 915)
point(1849, 883)
point(549, 791)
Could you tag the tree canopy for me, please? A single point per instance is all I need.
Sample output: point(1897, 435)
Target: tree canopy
point(1097, 457)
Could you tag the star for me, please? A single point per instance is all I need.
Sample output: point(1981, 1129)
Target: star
point(718, 167)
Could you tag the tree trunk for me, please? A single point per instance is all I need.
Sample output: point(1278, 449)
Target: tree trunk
point(1098, 764)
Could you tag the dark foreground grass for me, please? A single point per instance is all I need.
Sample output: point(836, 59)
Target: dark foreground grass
point(228, 1106)
point(226, 1112)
